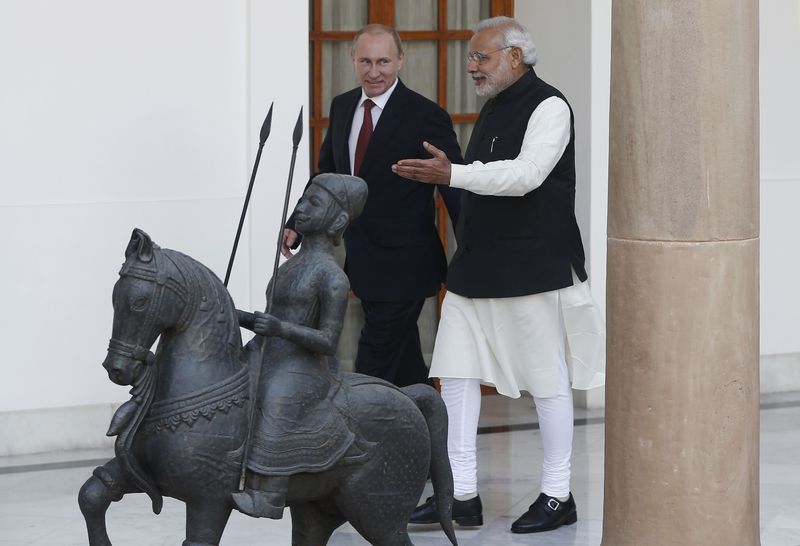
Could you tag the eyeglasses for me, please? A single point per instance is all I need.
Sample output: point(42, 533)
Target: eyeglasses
point(481, 58)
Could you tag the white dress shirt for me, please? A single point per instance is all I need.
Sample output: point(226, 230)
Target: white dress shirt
point(545, 140)
point(358, 118)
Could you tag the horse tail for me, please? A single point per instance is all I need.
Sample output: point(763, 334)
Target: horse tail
point(432, 406)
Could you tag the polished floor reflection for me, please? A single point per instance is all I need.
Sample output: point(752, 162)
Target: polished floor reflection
point(38, 504)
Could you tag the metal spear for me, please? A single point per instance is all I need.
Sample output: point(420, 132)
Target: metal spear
point(296, 136)
point(265, 128)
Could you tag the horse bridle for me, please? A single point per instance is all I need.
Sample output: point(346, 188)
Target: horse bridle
point(137, 269)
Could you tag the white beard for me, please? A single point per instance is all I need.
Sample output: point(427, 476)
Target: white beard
point(496, 83)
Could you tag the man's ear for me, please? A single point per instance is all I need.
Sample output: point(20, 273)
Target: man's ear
point(516, 57)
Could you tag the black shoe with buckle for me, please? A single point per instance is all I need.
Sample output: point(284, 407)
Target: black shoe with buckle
point(545, 514)
point(468, 513)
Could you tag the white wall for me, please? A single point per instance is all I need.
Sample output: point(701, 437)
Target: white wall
point(780, 176)
point(278, 56)
point(120, 115)
point(600, 52)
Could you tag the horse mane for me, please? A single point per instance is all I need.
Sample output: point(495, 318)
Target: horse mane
point(203, 287)
point(193, 272)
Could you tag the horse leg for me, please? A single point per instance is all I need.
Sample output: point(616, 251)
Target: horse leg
point(205, 522)
point(108, 484)
point(311, 526)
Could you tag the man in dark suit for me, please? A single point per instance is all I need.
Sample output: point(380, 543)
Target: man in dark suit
point(394, 257)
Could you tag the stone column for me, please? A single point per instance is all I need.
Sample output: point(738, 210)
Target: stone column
point(682, 394)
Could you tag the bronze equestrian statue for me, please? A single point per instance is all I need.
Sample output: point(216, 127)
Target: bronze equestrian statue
point(332, 446)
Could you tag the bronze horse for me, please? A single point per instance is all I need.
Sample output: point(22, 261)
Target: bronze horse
point(183, 432)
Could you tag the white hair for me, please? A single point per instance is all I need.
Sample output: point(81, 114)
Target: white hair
point(514, 35)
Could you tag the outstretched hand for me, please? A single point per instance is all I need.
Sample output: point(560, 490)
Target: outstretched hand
point(431, 171)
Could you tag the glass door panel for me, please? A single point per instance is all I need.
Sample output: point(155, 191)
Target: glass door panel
point(420, 68)
point(338, 15)
point(416, 15)
point(337, 72)
point(466, 14)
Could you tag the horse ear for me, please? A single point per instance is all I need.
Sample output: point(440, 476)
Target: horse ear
point(141, 244)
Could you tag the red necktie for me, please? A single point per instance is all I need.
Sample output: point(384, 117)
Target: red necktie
point(363, 135)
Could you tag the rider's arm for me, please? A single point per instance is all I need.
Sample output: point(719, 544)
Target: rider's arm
point(245, 319)
point(323, 340)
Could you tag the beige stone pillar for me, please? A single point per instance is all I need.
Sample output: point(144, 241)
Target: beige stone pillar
point(682, 394)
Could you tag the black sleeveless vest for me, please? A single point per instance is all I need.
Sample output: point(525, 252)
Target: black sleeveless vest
point(516, 246)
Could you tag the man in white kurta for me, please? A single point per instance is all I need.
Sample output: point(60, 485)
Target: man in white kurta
point(518, 314)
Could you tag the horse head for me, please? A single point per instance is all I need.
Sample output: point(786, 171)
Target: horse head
point(148, 299)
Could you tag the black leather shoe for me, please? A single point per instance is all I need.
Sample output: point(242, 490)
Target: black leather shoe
point(467, 513)
point(546, 514)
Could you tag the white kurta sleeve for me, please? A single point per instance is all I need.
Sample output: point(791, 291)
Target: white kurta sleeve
point(545, 140)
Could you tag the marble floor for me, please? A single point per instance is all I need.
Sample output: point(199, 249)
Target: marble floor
point(38, 504)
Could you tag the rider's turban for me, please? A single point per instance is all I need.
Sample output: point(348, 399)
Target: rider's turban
point(350, 192)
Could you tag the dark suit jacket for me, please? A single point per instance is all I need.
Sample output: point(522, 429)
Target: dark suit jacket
point(393, 249)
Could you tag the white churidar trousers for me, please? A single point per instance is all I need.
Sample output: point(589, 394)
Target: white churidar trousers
point(463, 400)
point(542, 343)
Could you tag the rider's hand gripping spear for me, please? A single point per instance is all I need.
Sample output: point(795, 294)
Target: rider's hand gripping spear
point(296, 136)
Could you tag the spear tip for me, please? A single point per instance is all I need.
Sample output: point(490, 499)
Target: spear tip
point(298, 129)
point(266, 126)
